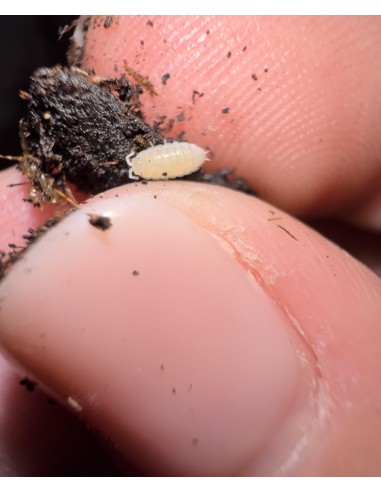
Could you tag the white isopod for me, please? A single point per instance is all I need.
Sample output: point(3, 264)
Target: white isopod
point(167, 161)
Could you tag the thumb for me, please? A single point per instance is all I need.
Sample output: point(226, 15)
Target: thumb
point(205, 332)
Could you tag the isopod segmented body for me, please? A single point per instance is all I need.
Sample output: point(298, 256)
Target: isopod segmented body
point(166, 161)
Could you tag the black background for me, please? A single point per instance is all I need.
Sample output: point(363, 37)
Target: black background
point(26, 43)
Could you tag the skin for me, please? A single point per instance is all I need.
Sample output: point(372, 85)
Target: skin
point(308, 142)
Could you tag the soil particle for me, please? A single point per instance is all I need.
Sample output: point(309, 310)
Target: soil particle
point(135, 273)
point(92, 126)
point(196, 94)
point(181, 136)
point(149, 23)
point(254, 77)
point(7, 259)
point(169, 125)
point(109, 19)
point(100, 221)
point(33, 234)
point(165, 77)
point(223, 177)
point(225, 110)
point(29, 384)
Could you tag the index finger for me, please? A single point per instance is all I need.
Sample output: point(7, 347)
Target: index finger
point(293, 102)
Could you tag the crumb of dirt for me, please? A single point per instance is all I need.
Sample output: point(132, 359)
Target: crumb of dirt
point(80, 130)
point(28, 384)
point(100, 221)
point(164, 78)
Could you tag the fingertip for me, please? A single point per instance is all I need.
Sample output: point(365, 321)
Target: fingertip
point(17, 214)
point(284, 105)
point(169, 329)
point(237, 321)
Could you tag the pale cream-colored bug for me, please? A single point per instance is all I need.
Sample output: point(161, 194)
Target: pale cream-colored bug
point(166, 161)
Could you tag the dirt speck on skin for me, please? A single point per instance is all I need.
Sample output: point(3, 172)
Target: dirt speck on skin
point(9, 258)
point(195, 95)
point(28, 384)
point(149, 23)
point(223, 177)
point(34, 234)
point(254, 77)
point(225, 110)
point(108, 21)
point(100, 221)
point(135, 273)
point(165, 77)
point(169, 125)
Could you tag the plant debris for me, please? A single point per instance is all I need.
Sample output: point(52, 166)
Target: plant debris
point(287, 232)
point(143, 80)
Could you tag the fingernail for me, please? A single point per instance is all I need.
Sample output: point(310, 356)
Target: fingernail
point(154, 333)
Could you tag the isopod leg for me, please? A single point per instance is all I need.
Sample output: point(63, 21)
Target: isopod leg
point(131, 174)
